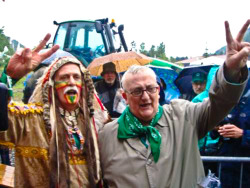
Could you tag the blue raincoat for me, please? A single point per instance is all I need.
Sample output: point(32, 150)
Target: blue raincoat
point(200, 98)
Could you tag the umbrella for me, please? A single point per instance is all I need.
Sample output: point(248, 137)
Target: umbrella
point(162, 63)
point(122, 61)
point(212, 60)
point(168, 75)
point(57, 54)
point(184, 79)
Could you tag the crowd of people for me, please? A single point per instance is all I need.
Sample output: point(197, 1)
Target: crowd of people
point(229, 138)
point(69, 134)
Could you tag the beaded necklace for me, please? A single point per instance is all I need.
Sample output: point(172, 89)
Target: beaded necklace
point(75, 137)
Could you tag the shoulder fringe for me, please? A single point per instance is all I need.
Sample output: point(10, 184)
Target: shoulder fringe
point(24, 109)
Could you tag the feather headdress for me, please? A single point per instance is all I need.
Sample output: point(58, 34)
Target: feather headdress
point(44, 94)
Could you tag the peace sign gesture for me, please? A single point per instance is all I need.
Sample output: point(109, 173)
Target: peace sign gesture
point(237, 51)
point(27, 60)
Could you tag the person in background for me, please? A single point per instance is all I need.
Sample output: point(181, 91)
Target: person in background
point(208, 146)
point(107, 88)
point(154, 146)
point(55, 135)
point(199, 80)
point(234, 134)
point(4, 151)
point(162, 85)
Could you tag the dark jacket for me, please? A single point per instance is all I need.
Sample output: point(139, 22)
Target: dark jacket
point(107, 94)
point(188, 96)
point(3, 107)
point(239, 116)
point(4, 152)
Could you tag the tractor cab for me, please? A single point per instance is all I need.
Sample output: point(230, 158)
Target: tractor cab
point(87, 40)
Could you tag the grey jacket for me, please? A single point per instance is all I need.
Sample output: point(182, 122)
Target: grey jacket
point(127, 163)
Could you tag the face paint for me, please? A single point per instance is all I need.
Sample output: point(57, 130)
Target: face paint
point(63, 84)
point(60, 85)
point(71, 99)
point(71, 93)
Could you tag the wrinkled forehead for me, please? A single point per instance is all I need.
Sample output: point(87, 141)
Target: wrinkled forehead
point(68, 66)
point(141, 75)
point(66, 69)
point(64, 64)
point(144, 72)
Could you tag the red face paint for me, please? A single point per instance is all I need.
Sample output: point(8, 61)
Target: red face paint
point(71, 93)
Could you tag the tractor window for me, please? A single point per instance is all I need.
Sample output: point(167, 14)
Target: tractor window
point(80, 39)
point(60, 36)
point(96, 44)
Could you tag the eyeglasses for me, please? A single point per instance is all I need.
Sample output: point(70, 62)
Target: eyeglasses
point(139, 92)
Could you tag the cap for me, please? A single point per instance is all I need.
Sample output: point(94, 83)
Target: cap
point(108, 67)
point(199, 77)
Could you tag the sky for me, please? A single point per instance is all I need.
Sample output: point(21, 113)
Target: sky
point(186, 27)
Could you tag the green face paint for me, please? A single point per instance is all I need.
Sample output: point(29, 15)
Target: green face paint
point(71, 99)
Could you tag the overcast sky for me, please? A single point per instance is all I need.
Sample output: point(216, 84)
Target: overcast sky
point(186, 27)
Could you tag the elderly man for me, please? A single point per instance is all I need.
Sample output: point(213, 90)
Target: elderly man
point(54, 135)
point(155, 146)
point(107, 88)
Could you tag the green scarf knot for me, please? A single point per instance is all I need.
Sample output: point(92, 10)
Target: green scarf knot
point(131, 127)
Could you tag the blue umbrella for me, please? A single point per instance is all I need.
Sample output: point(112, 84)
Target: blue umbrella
point(184, 79)
point(168, 75)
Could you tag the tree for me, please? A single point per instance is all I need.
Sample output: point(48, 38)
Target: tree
point(133, 44)
point(181, 58)
point(152, 52)
point(172, 59)
point(160, 53)
point(142, 49)
point(4, 42)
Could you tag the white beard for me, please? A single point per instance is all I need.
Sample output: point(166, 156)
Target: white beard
point(70, 88)
point(110, 82)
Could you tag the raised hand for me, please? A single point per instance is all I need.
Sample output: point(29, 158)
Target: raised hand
point(237, 51)
point(27, 60)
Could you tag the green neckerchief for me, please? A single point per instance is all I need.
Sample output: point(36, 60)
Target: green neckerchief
point(130, 127)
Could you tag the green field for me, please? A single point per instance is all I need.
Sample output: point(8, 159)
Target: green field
point(17, 89)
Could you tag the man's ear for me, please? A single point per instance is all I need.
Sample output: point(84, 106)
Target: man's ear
point(124, 95)
point(159, 89)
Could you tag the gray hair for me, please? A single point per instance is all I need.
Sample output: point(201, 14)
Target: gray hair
point(135, 69)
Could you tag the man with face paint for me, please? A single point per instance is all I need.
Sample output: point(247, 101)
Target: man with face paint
point(55, 134)
point(68, 84)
